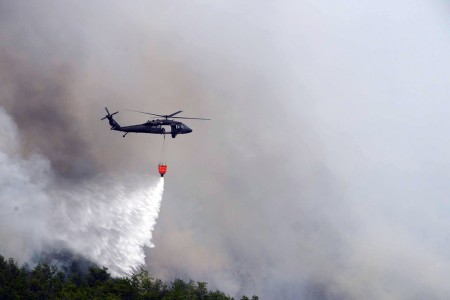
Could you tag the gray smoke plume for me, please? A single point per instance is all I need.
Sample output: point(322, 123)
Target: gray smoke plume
point(42, 104)
point(324, 172)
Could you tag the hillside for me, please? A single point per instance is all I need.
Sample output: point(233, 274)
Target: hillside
point(50, 282)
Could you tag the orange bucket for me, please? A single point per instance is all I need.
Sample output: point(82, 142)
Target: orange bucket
point(162, 168)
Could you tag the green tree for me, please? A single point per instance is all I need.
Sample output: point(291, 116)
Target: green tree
point(201, 290)
point(98, 276)
point(13, 281)
point(218, 295)
point(148, 287)
point(45, 282)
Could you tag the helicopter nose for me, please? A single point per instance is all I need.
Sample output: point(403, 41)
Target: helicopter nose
point(189, 130)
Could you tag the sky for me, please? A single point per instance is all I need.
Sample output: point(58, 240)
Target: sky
point(323, 172)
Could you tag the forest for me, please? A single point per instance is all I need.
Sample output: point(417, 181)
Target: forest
point(47, 281)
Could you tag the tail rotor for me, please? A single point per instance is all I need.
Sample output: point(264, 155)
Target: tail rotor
point(108, 115)
point(112, 122)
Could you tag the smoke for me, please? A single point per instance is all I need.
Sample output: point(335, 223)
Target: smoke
point(41, 103)
point(107, 219)
point(323, 174)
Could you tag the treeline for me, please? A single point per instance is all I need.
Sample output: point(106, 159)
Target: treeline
point(48, 282)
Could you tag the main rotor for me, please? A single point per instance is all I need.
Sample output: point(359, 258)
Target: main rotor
point(171, 116)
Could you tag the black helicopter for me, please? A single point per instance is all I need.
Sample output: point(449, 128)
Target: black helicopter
point(153, 126)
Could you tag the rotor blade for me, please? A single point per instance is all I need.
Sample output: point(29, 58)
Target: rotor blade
point(167, 116)
point(107, 110)
point(143, 112)
point(191, 118)
point(114, 113)
point(171, 115)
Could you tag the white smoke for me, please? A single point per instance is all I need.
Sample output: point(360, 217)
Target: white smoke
point(107, 220)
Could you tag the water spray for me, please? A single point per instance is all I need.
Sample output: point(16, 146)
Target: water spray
point(107, 220)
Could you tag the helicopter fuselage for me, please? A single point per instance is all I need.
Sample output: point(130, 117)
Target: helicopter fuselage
point(153, 126)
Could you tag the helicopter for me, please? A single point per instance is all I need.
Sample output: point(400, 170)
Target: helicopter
point(153, 126)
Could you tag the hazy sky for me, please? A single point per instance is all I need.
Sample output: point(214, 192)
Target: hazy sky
point(324, 171)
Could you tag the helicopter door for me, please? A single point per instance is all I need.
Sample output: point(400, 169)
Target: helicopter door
point(174, 129)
